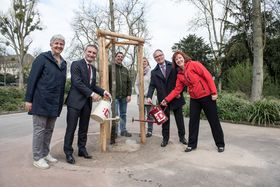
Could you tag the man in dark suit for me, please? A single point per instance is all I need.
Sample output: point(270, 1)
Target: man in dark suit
point(79, 102)
point(163, 80)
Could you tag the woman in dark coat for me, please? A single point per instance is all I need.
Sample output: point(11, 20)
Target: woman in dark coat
point(44, 98)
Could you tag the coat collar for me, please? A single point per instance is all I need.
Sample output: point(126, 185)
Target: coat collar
point(168, 66)
point(51, 58)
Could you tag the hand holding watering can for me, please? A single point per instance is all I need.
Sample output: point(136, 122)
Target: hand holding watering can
point(165, 103)
point(95, 97)
point(156, 112)
point(107, 95)
point(149, 101)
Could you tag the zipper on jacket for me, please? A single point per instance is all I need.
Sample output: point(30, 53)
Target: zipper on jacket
point(202, 86)
point(120, 80)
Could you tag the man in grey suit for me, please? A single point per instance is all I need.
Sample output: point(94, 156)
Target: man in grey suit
point(79, 102)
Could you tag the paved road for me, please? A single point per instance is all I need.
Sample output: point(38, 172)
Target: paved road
point(251, 158)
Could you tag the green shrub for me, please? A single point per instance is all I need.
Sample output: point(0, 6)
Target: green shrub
point(239, 78)
point(9, 107)
point(232, 108)
point(11, 99)
point(265, 112)
point(235, 107)
point(271, 88)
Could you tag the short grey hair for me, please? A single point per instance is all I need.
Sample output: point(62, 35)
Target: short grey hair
point(91, 45)
point(157, 50)
point(57, 37)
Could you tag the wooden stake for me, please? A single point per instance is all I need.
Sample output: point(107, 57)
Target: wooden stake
point(104, 76)
point(141, 93)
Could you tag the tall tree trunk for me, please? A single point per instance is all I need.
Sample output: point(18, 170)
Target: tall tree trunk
point(257, 84)
point(20, 59)
point(114, 128)
point(20, 74)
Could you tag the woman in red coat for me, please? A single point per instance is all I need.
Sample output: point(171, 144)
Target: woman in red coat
point(203, 95)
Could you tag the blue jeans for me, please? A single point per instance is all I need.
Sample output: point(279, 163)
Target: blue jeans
point(147, 109)
point(121, 107)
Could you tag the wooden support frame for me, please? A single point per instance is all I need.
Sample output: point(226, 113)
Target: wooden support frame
point(104, 76)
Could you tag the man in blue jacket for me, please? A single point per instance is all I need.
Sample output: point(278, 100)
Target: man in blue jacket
point(82, 92)
point(44, 98)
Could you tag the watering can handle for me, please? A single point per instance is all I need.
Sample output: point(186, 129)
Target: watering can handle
point(160, 106)
point(164, 108)
point(110, 100)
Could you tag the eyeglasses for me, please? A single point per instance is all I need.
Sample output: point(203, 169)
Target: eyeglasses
point(160, 55)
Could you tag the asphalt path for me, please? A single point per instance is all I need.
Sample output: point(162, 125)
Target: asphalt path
point(251, 157)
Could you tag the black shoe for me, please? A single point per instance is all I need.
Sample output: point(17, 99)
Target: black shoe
point(149, 134)
point(126, 134)
point(221, 149)
point(112, 141)
point(183, 141)
point(164, 143)
point(189, 149)
point(70, 159)
point(84, 154)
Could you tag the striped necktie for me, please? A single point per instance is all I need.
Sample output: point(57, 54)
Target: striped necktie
point(163, 70)
point(89, 73)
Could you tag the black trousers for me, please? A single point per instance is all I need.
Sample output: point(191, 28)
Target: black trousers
point(179, 118)
point(73, 115)
point(210, 109)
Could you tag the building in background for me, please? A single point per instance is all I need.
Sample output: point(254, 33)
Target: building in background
point(9, 68)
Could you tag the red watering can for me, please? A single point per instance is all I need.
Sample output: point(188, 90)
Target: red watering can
point(157, 113)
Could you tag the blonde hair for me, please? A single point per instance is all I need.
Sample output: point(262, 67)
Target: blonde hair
point(145, 58)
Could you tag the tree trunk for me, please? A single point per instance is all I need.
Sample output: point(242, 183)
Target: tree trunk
point(114, 127)
point(257, 84)
point(20, 74)
point(20, 70)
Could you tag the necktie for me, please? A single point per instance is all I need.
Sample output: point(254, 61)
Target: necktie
point(89, 72)
point(163, 70)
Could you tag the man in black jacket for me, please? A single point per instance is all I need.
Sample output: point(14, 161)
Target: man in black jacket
point(79, 102)
point(163, 80)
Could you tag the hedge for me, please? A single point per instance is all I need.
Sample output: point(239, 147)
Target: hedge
point(236, 108)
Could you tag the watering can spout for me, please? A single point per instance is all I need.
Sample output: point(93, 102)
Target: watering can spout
point(157, 113)
point(143, 120)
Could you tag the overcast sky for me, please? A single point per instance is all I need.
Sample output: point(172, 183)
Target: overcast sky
point(167, 22)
